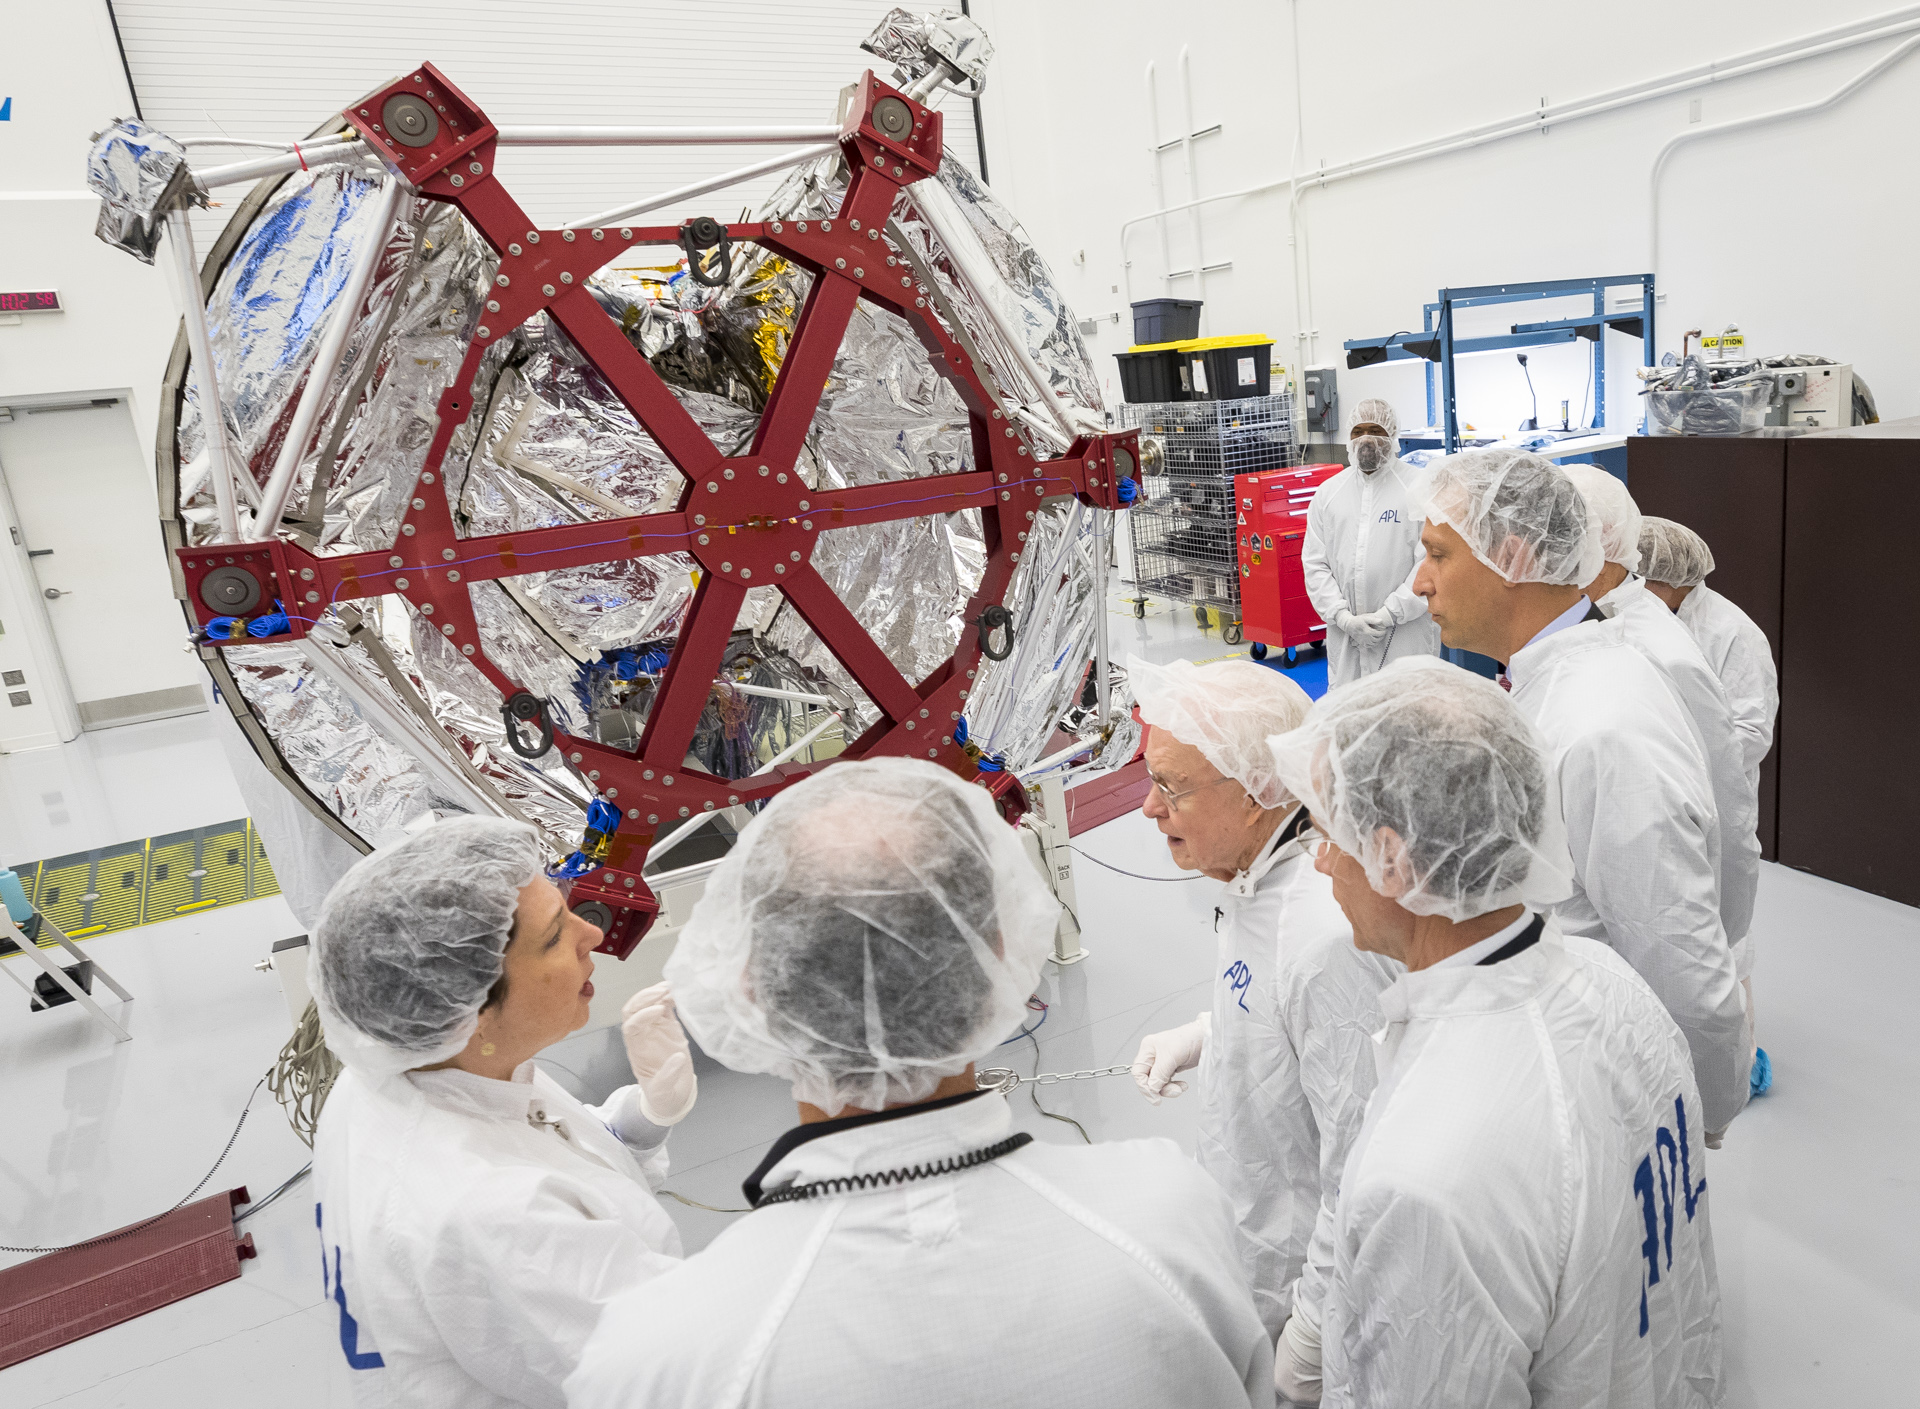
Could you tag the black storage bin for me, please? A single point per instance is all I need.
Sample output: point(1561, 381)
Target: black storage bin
point(1154, 374)
point(1166, 320)
point(1232, 367)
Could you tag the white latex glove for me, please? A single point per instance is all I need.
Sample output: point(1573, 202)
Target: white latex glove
point(1164, 1054)
point(1368, 630)
point(657, 1051)
point(1296, 1361)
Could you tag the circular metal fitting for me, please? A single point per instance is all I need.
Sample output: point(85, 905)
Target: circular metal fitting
point(548, 290)
point(446, 553)
point(409, 120)
point(513, 248)
point(893, 118)
point(400, 584)
point(230, 590)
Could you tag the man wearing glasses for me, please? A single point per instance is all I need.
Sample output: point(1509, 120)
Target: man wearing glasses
point(1285, 1050)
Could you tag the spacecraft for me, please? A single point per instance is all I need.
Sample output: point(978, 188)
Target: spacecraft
point(614, 527)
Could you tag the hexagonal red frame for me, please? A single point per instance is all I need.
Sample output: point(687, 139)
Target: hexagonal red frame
point(749, 520)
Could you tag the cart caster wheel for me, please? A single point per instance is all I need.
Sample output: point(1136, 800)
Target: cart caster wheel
point(1200, 615)
point(1140, 610)
point(1292, 657)
point(1258, 650)
point(1230, 633)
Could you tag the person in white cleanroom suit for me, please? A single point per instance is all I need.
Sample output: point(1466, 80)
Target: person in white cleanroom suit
point(1523, 1220)
point(1286, 1050)
point(1362, 544)
point(1509, 548)
point(875, 931)
point(1621, 593)
point(1675, 562)
point(473, 1216)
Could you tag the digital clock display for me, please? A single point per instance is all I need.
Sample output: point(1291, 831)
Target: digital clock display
point(30, 301)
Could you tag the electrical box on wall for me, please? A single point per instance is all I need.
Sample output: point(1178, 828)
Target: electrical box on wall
point(1322, 388)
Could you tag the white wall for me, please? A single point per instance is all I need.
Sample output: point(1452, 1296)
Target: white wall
point(1795, 231)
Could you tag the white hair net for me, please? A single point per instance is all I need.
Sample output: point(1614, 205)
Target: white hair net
point(1440, 758)
point(1519, 514)
point(1673, 553)
point(1370, 452)
point(1376, 411)
point(411, 939)
point(873, 931)
point(1227, 710)
point(1612, 510)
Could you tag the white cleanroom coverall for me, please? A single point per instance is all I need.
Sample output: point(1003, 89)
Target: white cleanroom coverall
point(1643, 834)
point(1119, 1258)
point(1737, 650)
point(1654, 631)
point(472, 1229)
point(1287, 1069)
point(1361, 551)
point(1523, 1221)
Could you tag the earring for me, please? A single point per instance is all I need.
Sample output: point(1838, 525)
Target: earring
point(486, 1049)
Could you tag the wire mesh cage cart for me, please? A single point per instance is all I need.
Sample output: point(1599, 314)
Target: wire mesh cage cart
point(1183, 530)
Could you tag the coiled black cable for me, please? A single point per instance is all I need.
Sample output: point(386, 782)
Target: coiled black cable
point(847, 1183)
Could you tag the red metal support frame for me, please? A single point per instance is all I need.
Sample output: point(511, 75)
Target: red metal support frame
point(748, 520)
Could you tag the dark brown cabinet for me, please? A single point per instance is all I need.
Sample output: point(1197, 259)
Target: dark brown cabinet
point(1812, 535)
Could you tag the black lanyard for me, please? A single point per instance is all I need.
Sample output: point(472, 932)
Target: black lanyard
point(1526, 939)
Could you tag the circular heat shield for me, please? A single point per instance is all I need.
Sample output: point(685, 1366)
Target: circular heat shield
point(695, 524)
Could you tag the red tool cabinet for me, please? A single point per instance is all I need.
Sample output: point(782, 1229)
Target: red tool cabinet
point(1271, 528)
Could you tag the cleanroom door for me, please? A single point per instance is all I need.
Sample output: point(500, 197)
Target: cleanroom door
point(39, 711)
point(84, 501)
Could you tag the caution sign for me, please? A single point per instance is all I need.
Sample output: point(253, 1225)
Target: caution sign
point(143, 882)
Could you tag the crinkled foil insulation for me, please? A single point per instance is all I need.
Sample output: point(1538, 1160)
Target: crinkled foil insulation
point(548, 443)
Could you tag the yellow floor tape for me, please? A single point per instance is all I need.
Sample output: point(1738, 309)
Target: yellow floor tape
point(136, 883)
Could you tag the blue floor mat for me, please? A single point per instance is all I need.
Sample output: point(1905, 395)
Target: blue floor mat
point(1310, 674)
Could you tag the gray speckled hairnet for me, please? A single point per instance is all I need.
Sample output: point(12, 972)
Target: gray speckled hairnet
point(1226, 709)
point(874, 930)
point(1673, 553)
point(1612, 510)
point(410, 940)
point(1519, 513)
point(1442, 759)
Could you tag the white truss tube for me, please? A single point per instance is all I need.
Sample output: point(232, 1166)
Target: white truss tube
point(701, 188)
point(326, 361)
point(325, 152)
point(694, 824)
point(661, 136)
point(206, 380)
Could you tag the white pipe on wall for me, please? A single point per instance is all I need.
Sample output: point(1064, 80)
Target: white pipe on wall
point(1852, 85)
point(1891, 24)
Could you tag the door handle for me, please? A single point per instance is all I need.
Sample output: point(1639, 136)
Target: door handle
point(39, 552)
point(54, 593)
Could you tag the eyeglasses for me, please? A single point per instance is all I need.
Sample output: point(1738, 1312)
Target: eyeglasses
point(1172, 799)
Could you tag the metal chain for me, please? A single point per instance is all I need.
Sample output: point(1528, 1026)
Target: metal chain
point(1006, 1079)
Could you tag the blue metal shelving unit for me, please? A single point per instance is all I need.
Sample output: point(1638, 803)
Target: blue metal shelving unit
point(1437, 346)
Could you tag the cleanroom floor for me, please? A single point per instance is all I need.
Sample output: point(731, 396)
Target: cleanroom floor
point(1816, 1211)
